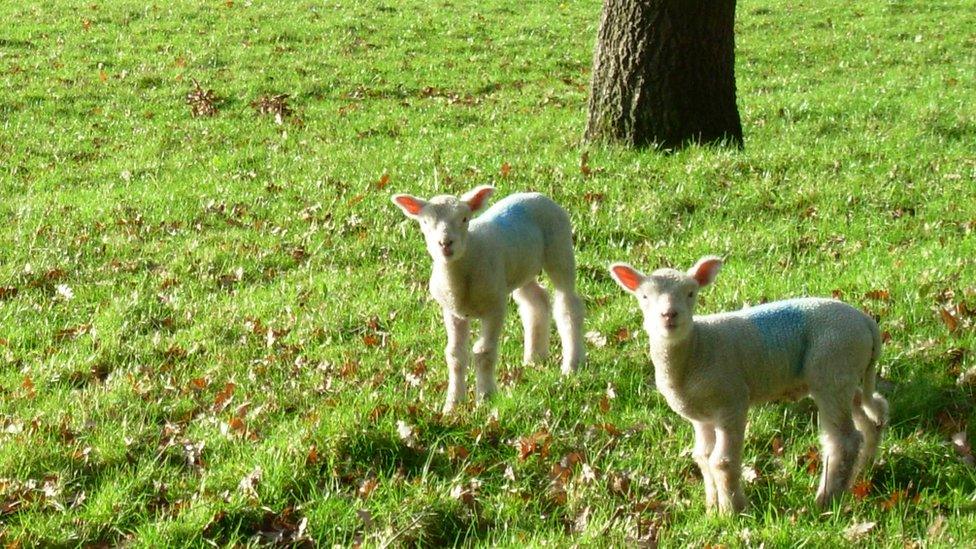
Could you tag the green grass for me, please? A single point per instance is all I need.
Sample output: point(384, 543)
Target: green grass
point(186, 241)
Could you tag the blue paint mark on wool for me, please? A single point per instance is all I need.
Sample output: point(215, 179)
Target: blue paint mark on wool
point(511, 217)
point(781, 325)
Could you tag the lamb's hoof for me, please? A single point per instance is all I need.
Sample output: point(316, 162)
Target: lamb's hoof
point(450, 406)
point(732, 508)
point(487, 396)
point(823, 500)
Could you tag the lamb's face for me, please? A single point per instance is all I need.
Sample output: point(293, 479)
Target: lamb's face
point(444, 222)
point(667, 299)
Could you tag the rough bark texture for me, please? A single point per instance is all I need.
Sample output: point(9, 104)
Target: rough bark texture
point(664, 73)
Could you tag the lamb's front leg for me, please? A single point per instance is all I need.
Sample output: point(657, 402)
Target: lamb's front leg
point(486, 353)
point(456, 353)
point(726, 464)
point(704, 444)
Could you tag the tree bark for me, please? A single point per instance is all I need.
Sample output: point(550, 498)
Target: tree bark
point(664, 74)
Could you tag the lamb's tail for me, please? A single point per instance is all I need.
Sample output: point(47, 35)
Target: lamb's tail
point(870, 408)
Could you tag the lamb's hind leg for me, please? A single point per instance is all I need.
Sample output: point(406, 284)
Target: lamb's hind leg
point(840, 440)
point(561, 267)
point(535, 310)
point(864, 408)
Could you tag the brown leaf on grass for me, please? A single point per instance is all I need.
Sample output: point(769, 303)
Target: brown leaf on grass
point(457, 453)
point(202, 102)
point(557, 493)
point(858, 530)
point(284, 529)
point(949, 319)
point(238, 426)
point(249, 484)
point(199, 383)
point(812, 460)
point(223, 397)
point(595, 338)
point(349, 369)
point(882, 295)
point(466, 493)
point(963, 448)
point(383, 182)
point(967, 378)
point(366, 487)
point(777, 446)
point(619, 483)
point(609, 428)
point(8, 292)
point(376, 413)
point(584, 165)
point(73, 332)
point(86, 24)
point(894, 499)
point(506, 169)
point(274, 105)
point(536, 443)
point(407, 433)
point(28, 386)
point(861, 489)
point(313, 455)
point(936, 529)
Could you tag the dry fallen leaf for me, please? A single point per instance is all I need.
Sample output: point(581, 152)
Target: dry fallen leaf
point(858, 530)
point(584, 165)
point(367, 486)
point(949, 319)
point(202, 102)
point(249, 484)
point(937, 527)
point(963, 448)
point(883, 295)
point(861, 489)
point(595, 338)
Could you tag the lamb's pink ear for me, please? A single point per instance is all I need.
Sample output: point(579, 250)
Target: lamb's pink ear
point(478, 197)
point(628, 277)
point(705, 271)
point(411, 205)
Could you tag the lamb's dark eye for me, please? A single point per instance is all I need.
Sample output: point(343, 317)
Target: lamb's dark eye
point(691, 294)
point(465, 220)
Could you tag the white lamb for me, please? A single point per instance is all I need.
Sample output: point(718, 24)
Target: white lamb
point(711, 368)
point(479, 262)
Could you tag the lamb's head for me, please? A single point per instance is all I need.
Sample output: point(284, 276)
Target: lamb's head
point(444, 220)
point(668, 296)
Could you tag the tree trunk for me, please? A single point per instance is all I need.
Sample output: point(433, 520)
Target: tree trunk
point(664, 74)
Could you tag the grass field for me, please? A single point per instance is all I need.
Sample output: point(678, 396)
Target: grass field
point(216, 329)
